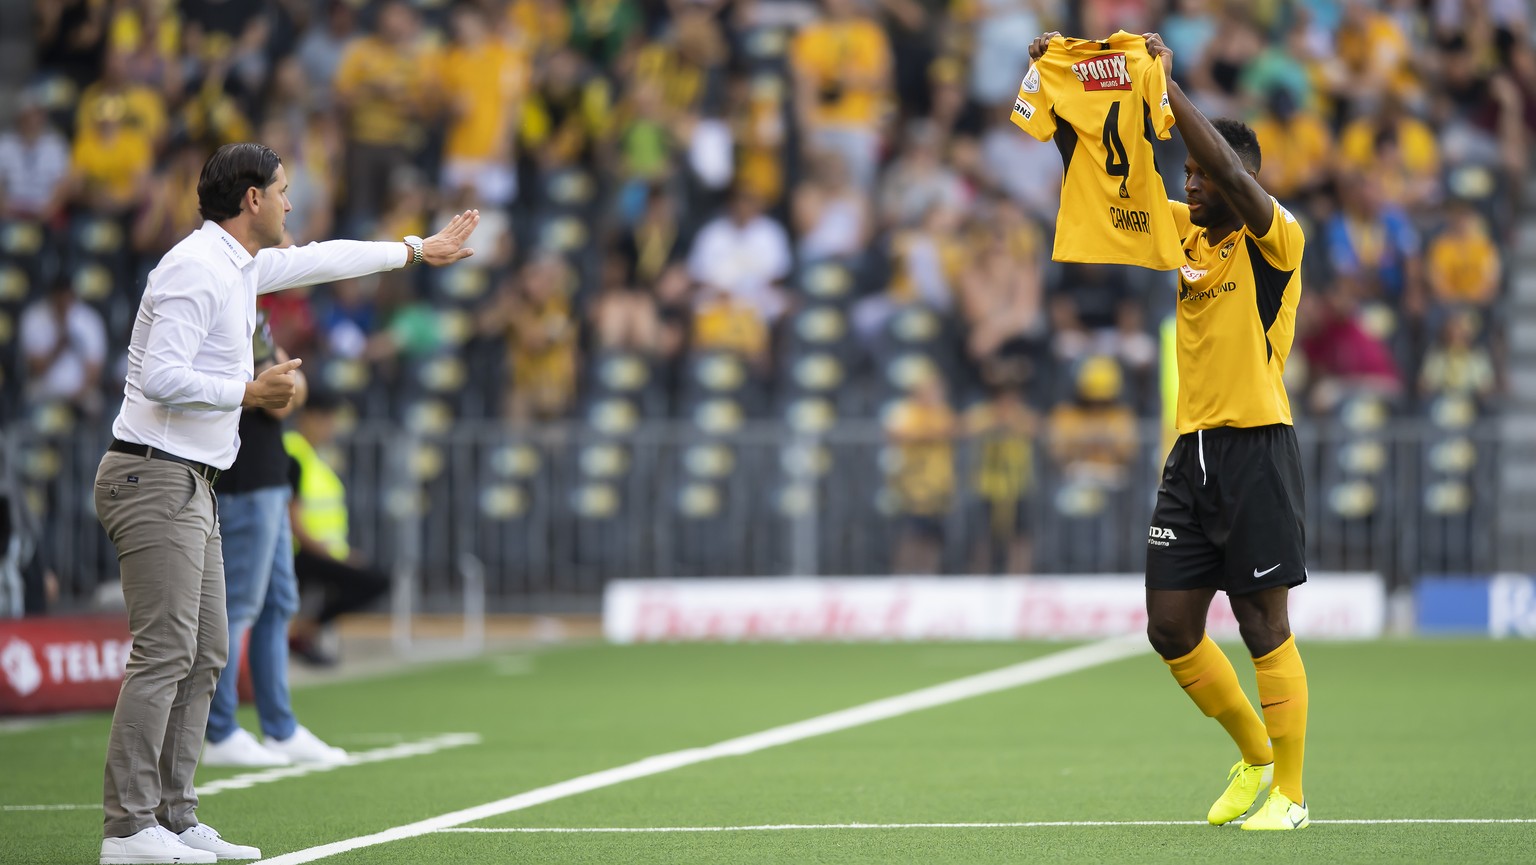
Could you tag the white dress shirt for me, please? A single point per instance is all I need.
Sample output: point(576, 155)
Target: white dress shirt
point(744, 261)
point(31, 171)
point(86, 337)
point(190, 355)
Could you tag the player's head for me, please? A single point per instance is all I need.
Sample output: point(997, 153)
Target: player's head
point(1206, 206)
point(246, 181)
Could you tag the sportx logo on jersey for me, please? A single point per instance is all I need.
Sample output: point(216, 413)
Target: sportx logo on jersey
point(1103, 73)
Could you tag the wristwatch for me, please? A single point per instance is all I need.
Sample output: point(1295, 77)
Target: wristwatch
point(414, 243)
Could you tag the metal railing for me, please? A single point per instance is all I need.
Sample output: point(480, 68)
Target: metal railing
point(540, 519)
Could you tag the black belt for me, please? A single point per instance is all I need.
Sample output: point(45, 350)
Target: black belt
point(203, 470)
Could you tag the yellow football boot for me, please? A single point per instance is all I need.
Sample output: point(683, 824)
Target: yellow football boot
point(1243, 785)
point(1279, 812)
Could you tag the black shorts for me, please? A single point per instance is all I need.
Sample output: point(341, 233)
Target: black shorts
point(1230, 513)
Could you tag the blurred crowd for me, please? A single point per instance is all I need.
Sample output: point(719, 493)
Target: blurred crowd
point(827, 191)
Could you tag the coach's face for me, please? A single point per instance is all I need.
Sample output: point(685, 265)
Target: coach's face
point(271, 210)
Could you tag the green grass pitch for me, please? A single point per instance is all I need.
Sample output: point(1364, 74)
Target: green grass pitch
point(1399, 730)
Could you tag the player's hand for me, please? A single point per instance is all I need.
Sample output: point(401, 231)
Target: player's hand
point(272, 389)
point(447, 246)
point(1040, 43)
point(1159, 50)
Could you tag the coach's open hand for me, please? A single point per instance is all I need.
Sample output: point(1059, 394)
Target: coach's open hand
point(1040, 43)
point(272, 389)
point(447, 246)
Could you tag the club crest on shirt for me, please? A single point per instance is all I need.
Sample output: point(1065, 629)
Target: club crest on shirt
point(1227, 249)
point(1031, 80)
point(1105, 72)
point(1023, 109)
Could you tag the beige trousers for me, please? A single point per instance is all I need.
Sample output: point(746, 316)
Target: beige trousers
point(163, 520)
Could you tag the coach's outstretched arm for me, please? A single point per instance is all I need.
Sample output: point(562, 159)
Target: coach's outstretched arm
point(1215, 158)
point(332, 260)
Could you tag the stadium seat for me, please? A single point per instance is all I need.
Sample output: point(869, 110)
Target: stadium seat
point(21, 239)
point(820, 325)
point(812, 415)
point(516, 461)
point(1362, 457)
point(603, 461)
point(430, 417)
point(819, 372)
point(502, 502)
point(443, 374)
point(463, 285)
point(621, 372)
point(709, 460)
point(595, 500)
point(718, 415)
point(699, 500)
point(1453, 412)
point(15, 286)
point(615, 416)
point(828, 282)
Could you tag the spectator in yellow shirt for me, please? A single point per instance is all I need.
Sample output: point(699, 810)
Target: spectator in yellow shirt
point(1464, 264)
point(1457, 365)
point(842, 71)
point(1397, 148)
point(1093, 437)
point(141, 110)
point(385, 85)
point(484, 80)
point(922, 430)
point(1297, 146)
point(1372, 54)
point(539, 27)
point(112, 161)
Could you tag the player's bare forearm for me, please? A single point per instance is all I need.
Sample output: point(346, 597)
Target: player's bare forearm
point(1220, 162)
point(1217, 160)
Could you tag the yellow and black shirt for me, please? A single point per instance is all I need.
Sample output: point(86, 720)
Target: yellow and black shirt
point(1236, 320)
point(1113, 98)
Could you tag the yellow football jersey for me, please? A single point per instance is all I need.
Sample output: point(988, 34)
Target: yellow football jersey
point(1236, 321)
point(1113, 98)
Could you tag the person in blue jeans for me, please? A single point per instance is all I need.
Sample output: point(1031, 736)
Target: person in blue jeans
point(262, 593)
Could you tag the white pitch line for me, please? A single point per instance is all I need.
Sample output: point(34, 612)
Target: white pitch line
point(1038, 669)
point(247, 780)
point(1035, 824)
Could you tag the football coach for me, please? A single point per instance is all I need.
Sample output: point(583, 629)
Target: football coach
point(189, 373)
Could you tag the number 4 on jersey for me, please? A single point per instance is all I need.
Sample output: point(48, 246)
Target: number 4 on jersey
point(1116, 162)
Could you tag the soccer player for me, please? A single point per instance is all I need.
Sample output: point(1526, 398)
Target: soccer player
point(1229, 513)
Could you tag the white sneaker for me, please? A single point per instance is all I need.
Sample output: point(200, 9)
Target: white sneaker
point(206, 838)
point(305, 747)
point(157, 845)
point(241, 749)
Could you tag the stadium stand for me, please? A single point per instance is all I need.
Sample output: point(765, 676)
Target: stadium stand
point(702, 218)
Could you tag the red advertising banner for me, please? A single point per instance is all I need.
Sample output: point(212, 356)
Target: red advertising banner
point(65, 664)
point(69, 664)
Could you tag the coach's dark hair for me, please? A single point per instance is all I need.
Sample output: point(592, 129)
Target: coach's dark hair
point(1242, 140)
point(228, 173)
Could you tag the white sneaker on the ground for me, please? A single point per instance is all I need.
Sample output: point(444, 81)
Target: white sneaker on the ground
point(206, 838)
point(241, 749)
point(305, 747)
point(156, 845)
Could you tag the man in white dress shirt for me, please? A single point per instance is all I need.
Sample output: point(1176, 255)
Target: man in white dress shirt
point(189, 374)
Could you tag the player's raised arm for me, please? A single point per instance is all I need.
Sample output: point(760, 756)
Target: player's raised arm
point(1215, 159)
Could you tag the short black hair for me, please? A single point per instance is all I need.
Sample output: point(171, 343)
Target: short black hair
point(228, 173)
point(1242, 140)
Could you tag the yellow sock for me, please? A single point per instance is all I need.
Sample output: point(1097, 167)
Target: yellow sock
point(1283, 696)
point(1208, 678)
